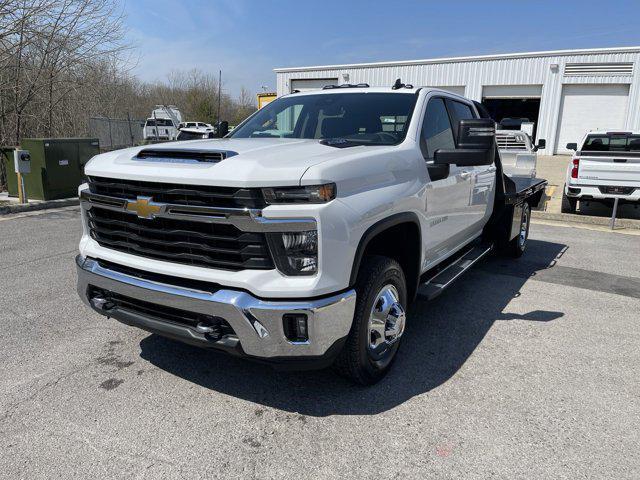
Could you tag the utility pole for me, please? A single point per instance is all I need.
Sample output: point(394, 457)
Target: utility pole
point(130, 131)
point(219, 94)
point(22, 197)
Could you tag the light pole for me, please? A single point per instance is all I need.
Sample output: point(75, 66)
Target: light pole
point(219, 95)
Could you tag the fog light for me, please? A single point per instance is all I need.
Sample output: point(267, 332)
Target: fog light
point(295, 327)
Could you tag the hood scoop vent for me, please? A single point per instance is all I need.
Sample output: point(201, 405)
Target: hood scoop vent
point(183, 156)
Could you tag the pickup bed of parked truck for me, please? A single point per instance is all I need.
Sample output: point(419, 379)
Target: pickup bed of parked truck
point(301, 238)
point(606, 167)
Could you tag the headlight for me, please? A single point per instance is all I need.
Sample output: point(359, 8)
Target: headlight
point(309, 194)
point(295, 253)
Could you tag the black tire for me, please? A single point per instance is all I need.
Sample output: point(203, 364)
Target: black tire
point(516, 247)
point(569, 205)
point(357, 360)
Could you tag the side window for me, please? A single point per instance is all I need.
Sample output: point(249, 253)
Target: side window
point(436, 129)
point(482, 110)
point(461, 111)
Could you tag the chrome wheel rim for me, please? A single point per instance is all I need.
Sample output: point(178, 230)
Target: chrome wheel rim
point(387, 321)
point(524, 228)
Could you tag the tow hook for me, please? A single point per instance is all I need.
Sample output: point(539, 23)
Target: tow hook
point(204, 328)
point(101, 303)
point(209, 330)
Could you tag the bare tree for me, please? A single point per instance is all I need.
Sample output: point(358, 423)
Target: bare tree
point(64, 61)
point(246, 105)
point(47, 43)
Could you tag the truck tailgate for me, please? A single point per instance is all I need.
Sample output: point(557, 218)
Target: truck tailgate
point(597, 168)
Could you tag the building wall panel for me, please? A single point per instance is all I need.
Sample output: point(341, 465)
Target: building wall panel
point(475, 73)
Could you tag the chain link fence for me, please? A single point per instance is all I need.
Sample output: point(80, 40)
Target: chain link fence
point(3, 174)
point(115, 133)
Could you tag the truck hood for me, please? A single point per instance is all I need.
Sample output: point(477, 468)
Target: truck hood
point(250, 162)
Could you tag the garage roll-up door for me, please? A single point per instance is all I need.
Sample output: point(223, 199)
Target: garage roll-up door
point(590, 107)
point(306, 84)
point(511, 91)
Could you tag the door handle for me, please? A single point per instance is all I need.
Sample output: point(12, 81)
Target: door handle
point(465, 174)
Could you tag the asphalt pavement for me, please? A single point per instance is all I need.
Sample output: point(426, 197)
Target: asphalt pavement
point(524, 368)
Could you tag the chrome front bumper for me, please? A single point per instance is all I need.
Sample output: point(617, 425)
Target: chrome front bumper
point(257, 323)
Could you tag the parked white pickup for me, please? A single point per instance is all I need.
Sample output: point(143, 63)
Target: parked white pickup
point(302, 236)
point(606, 167)
point(518, 154)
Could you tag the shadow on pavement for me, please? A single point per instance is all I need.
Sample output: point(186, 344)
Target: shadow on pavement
point(440, 337)
point(597, 209)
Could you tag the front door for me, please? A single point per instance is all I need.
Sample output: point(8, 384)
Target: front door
point(483, 177)
point(447, 199)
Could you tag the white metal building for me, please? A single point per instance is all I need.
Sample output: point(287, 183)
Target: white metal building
point(566, 92)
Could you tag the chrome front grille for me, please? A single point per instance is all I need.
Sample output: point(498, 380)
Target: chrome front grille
point(510, 142)
point(191, 243)
point(188, 238)
point(178, 194)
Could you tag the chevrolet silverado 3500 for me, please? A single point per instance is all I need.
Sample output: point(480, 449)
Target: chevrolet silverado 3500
point(301, 237)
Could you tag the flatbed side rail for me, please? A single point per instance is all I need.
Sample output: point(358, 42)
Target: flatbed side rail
point(518, 189)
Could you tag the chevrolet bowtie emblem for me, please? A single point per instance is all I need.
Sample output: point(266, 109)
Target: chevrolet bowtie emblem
point(144, 207)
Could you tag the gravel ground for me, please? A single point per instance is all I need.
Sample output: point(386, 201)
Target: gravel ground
point(523, 369)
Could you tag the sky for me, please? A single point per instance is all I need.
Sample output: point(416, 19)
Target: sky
point(248, 39)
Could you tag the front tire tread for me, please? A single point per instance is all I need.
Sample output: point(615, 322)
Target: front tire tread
point(373, 271)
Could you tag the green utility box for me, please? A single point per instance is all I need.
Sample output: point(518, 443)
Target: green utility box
point(57, 166)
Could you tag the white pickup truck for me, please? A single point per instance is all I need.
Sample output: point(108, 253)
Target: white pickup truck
point(606, 167)
point(301, 238)
point(518, 154)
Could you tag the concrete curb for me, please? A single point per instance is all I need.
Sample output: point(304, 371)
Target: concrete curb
point(585, 219)
point(28, 207)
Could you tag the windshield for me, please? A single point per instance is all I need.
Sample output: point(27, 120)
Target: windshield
point(612, 143)
point(360, 118)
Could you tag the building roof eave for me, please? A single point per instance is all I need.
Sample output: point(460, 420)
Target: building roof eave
point(475, 58)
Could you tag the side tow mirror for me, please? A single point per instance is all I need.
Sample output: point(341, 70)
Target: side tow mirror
point(542, 143)
point(476, 144)
point(572, 146)
point(223, 129)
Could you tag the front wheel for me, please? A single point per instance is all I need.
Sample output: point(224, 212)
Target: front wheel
point(378, 323)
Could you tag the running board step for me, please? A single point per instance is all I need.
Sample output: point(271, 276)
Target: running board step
point(436, 285)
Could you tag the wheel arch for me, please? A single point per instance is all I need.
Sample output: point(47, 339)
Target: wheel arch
point(377, 239)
